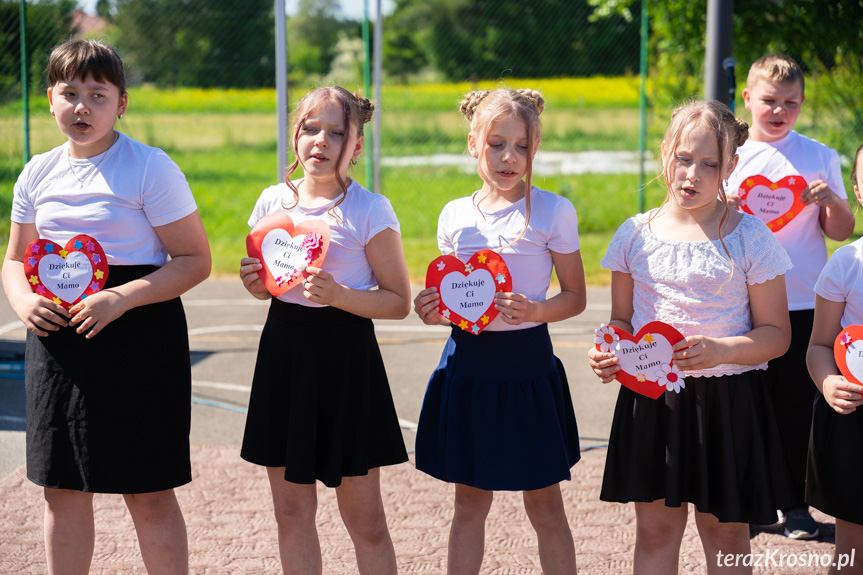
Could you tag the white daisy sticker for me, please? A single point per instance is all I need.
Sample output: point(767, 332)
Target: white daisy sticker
point(606, 339)
point(669, 377)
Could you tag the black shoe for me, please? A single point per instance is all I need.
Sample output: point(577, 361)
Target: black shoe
point(800, 525)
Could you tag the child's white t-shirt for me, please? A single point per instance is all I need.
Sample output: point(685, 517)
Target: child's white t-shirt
point(802, 238)
point(135, 188)
point(463, 230)
point(841, 280)
point(361, 216)
point(693, 286)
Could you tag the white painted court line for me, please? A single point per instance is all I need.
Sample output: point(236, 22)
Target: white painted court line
point(223, 386)
point(12, 419)
point(11, 326)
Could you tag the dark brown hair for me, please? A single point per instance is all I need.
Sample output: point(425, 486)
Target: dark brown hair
point(78, 58)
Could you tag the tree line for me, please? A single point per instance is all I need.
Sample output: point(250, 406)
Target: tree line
point(224, 43)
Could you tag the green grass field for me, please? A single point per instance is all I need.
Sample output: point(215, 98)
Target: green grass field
point(225, 142)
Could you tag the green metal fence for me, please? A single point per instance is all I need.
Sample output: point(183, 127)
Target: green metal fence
point(202, 77)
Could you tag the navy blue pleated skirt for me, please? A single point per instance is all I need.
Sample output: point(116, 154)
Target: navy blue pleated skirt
point(716, 444)
point(112, 414)
point(497, 413)
point(835, 465)
point(321, 405)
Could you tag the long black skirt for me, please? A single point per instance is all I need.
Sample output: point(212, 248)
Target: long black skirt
point(835, 465)
point(111, 414)
point(716, 444)
point(321, 405)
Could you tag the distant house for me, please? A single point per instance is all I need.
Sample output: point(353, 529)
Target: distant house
point(86, 26)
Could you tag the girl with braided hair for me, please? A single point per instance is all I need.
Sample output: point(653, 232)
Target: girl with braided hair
point(497, 413)
point(321, 407)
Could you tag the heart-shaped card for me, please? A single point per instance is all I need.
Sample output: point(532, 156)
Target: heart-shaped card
point(848, 352)
point(774, 203)
point(66, 274)
point(467, 289)
point(286, 249)
point(645, 361)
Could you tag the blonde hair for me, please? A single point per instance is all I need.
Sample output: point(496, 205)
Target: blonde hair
point(481, 108)
point(775, 68)
point(357, 112)
point(716, 118)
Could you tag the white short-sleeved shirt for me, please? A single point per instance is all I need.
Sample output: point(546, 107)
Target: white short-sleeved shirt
point(841, 280)
point(692, 285)
point(361, 216)
point(134, 189)
point(802, 238)
point(463, 230)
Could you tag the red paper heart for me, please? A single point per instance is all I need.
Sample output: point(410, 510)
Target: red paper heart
point(641, 356)
point(66, 274)
point(774, 203)
point(467, 289)
point(848, 352)
point(286, 249)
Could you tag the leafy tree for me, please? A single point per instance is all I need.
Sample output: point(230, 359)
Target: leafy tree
point(48, 24)
point(488, 38)
point(203, 43)
point(825, 37)
point(313, 34)
point(817, 33)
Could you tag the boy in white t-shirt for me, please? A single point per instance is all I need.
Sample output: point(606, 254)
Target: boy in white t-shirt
point(774, 94)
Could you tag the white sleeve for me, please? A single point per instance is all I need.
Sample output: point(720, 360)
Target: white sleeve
point(165, 194)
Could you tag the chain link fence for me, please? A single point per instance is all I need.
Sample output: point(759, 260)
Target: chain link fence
point(202, 80)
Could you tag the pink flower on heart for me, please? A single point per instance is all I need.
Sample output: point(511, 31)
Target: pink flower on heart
point(846, 339)
point(606, 339)
point(312, 244)
point(669, 377)
point(313, 241)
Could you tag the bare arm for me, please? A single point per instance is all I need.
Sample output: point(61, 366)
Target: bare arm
point(835, 217)
point(604, 365)
point(841, 394)
point(392, 298)
point(39, 315)
point(515, 308)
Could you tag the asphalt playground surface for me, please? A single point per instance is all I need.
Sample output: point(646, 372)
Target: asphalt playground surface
point(227, 506)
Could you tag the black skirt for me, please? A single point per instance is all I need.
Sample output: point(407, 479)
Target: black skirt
point(835, 465)
point(497, 413)
point(112, 414)
point(715, 445)
point(320, 405)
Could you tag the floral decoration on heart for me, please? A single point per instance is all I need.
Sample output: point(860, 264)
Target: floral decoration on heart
point(848, 353)
point(467, 289)
point(286, 249)
point(66, 274)
point(645, 359)
point(774, 203)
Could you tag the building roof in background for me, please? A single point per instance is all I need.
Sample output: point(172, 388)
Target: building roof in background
point(84, 25)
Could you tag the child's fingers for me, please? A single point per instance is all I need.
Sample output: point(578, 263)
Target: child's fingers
point(424, 298)
point(686, 343)
point(249, 266)
point(318, 273)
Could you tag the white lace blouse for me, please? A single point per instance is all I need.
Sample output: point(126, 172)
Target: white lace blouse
point(694, 286)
